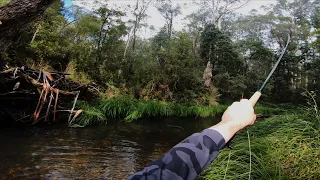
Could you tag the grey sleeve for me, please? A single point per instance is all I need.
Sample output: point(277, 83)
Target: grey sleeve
point(185, 160)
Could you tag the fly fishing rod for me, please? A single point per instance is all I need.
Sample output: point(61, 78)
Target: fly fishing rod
point(255, 97)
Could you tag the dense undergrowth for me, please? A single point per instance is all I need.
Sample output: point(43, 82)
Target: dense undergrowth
point(129, 109)
point(280, 147)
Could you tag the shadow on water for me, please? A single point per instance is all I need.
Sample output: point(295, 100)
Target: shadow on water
point(114, 151)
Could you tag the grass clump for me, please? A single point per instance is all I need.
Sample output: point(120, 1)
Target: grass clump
point(281, 147)
point(131, 109)
point(90, 115)
point(119, 107)
point(265, 110)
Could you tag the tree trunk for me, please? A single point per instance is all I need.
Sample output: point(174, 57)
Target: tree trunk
point(15, 17)
point(134, 34)
point(171, 22)
point(135, 26)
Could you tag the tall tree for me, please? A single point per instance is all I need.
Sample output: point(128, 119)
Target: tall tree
point(196, 23)
point(219, 8)
point(139, 14)
point(217, 48)
point(169, 12)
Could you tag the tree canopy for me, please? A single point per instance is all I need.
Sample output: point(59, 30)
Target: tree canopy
point(105, 50)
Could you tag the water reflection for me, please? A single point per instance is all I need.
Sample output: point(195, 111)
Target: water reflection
point(110, 152)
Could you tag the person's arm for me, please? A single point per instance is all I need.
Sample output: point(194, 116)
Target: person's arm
point(188, 158)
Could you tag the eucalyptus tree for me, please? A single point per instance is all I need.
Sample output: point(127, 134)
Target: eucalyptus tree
point(228, 67)
point(217, 9)
point(196, 21)
point(139, 14)
point(293, 18)
point(168, 11)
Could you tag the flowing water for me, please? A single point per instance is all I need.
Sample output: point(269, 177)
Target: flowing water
point(114, 151)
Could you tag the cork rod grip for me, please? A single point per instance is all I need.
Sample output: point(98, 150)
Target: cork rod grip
point(254, 98)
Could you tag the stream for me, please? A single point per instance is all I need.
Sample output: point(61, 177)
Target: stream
point(114, 151)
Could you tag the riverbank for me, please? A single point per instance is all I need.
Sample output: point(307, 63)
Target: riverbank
point(281, 147)
point(130, 109)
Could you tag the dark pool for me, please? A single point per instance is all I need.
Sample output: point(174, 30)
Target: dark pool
point(114, 151)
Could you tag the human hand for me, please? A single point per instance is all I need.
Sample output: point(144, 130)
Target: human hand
point(236, 117)
point(239, 115)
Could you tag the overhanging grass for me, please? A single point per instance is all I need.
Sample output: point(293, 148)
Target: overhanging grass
point(130, 109)
point(264, 110)
point(90, 115)
point(282, 147)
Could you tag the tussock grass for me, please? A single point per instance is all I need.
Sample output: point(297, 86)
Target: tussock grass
point(90, 115)
point(264, 110)
point(282, 147)
point(129, 109)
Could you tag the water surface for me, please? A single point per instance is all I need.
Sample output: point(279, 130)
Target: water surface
point(114, 151)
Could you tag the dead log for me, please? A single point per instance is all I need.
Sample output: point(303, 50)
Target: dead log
point(33, 82)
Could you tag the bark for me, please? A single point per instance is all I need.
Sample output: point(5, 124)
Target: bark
point(139, 13)
point(170, 25)
point(15, 17)
point(207, 75)
point(101, 41)
point(135, 27)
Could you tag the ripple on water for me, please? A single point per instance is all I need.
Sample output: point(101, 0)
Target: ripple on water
point(111, 152)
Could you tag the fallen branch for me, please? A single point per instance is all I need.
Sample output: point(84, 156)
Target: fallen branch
point(45, 84)
point(74, 104)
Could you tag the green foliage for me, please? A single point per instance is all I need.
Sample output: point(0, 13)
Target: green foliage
point(90, 115)
point(281, 147)
point(265, 110)
point(119, 107)
point(42, 41)
point(99, 49)
point(130, 109)
point(228, 68)
point(312, 108)
point(92, 48)
point(4, 2)
point(77, 75)
point(217, 48)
